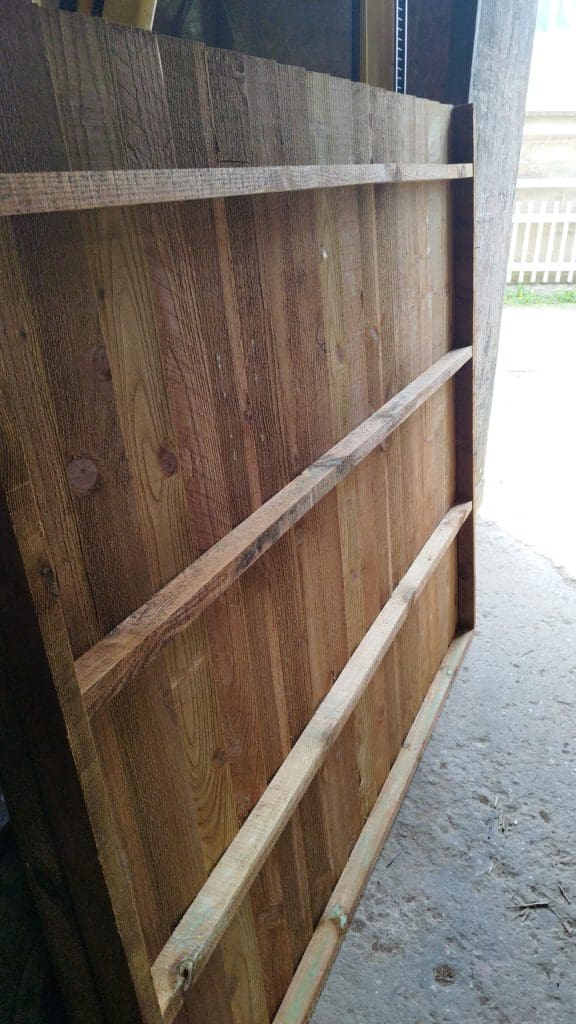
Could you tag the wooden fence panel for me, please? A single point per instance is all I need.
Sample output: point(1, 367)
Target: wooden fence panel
point(543, 247)
point(243, 425)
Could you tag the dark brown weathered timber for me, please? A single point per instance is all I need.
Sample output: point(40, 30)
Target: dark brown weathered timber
point(463, 224)
point(44, 794)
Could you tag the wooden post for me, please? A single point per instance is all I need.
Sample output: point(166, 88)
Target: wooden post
point(462, 142)
point(479, 51)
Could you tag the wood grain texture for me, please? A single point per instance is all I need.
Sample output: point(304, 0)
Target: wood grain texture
point(109, 665)
point(124, 267)
point(171, 367)
point(197, 934)
point(478, 51)
point(58, 736)
point(305, 989)
point(498, 86)
point(87, 190)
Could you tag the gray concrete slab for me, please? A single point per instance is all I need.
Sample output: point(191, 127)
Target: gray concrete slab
point(489, 823)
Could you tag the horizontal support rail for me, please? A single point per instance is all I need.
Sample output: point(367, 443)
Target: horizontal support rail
point(52, 191)
point(204, 923)
point(548, 183)
point(541, 265)
point(307, 983)
point(105, 668)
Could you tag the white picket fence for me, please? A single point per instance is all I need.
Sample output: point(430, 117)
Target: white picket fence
point(543, 248)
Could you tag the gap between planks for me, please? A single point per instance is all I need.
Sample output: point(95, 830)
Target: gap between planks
point(193, 941)
point(107, 666)
point(53, 191)
point(308, 981)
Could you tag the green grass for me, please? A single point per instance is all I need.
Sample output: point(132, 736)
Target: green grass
point(537, 295)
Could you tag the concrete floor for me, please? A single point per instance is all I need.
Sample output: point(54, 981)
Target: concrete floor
point(489, 823)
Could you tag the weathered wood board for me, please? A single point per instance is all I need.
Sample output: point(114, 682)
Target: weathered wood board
point(479, 51)
point(166, 369)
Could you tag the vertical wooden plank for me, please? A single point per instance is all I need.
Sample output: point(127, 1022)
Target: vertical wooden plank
point(553, 222)
point(290, 275)
point(349, 404)
point(281, 583)
point(24, 102)
point(435, 615)
point(330, 105)
point(230, 370)
point(417, 331)
point(572, 261)
point(292, 272)
point(372, 482)
point(462, 143)
point(278, 897)
point(561, 256)
point(30, 418)
point(370, 478)
point(378, 224)
point(97, 63)
point(537, 254)
point(396, 344)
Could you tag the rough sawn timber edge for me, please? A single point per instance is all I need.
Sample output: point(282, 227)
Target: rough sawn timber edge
point(55, 191)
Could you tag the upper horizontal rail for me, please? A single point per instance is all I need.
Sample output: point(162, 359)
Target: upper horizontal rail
point(52, 191)
point(204, 923)
point(105, 668)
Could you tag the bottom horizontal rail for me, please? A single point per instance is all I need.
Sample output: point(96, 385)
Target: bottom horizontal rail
point(204, 923)
point(306, 986)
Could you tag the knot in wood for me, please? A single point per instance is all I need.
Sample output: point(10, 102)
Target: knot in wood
point(168, 461)
point(186, 972)
point(100, 363)
point(82, 476)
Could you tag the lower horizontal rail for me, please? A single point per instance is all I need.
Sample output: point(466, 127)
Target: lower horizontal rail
point(51, 191)
point(106, 668)
point(306, 986)
point(204, 923)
